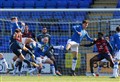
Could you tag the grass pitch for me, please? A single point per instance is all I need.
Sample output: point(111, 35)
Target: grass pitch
point(57, 79)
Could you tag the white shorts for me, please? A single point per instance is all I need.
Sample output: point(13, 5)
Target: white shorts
point(39, 60)
point(23, 40)
point(117, 55)
point(74, 45)
point(104, 60)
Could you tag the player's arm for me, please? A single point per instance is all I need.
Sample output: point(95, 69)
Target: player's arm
point(49, 39)
point(39, 38)
point(88, 37)
point(110, 46)
point(88, 45)
point(75, 29)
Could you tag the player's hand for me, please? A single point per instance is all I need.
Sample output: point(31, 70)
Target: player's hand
point(80, 33)
point(95, 39)
point(22, 23)
point(81, 44)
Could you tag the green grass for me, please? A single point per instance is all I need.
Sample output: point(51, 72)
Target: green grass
point(57, 79)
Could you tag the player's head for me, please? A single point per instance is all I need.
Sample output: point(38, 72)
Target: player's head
point(45, 40)
point(17, 30)
point(85, 24)
point(44, 30)
point(107, 37)
point(14, 19)
point(100, 34)
point(26, 28)
point(118, 29)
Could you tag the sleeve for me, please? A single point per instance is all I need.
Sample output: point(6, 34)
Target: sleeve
point(88, 37)
point(113, 41)
point(88, 45)
point(75, 28)
point(110, 46)
point(39, 38)
point(49, 39)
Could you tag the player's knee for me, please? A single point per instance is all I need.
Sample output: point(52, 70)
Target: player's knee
point(52, 58)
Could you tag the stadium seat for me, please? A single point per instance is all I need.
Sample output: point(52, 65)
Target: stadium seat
point(15, 14)
point(7, 4)
point(54, 28)
point(79, 18)
point(1, 4)
point(72, 4)
point(51, 4)
point(84, 4)
point(64, 27)
point(62, 4)
point(25, 13)
point(40, 4)
point(29, 4)
point(18, 4)
point(58, 17)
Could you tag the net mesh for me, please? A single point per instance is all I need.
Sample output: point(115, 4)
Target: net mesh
point(59, 25)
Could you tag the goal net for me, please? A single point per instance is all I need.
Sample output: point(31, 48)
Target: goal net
point(59, 23)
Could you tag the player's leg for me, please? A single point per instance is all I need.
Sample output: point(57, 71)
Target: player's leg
point(13, 61)
point(101, 65)
point(50, 55)
point(110, 59)
point(74, 62)
point(74, 50)
point(16, 65)
point(68, 46)
point(28, 51)
point(19, 67)
point(49, 61)
point(116, 64)
point(39, 62)
point(94, 59)
point(29, 40)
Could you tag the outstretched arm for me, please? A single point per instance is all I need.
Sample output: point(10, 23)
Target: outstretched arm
point(110, 46)
point(88, 45)
point(88, 37)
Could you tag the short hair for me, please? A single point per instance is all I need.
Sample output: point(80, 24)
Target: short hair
point(85, 21)
point(44, 28)
point(12, 18)
point(100, 33)
point(118, 29)
point(18, 30)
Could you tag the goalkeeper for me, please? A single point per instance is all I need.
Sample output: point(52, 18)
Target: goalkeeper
point(40, 38)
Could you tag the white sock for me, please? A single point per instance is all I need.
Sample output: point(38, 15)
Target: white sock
point(5, 63)
point(53, 69)
point(74, 62)
point(115, 69)
point(99, 69)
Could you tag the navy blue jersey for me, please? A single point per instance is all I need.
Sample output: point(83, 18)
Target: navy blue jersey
point(41, 36)
point(12, 39)
point(78, 38)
